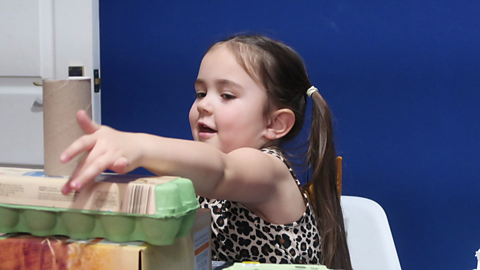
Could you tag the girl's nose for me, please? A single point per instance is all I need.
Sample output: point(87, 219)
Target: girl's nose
point(205, 106)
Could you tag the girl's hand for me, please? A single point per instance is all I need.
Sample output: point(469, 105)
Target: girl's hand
point(107, 149)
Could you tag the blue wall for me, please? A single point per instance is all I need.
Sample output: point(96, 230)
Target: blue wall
point(402, 79)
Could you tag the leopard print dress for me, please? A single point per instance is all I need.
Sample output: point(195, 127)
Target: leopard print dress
point(240, 235)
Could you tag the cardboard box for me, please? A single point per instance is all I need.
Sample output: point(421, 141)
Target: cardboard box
point(109, 192)
point(27, 252)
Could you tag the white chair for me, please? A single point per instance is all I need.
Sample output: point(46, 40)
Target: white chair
point(369, 237)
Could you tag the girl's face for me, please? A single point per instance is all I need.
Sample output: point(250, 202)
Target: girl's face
point(229, 110)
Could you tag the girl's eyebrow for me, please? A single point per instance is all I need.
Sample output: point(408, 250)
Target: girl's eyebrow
point(224, 82)
point(221, 82)
point(199, 82)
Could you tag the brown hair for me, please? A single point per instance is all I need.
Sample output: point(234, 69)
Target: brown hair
point(283, 74)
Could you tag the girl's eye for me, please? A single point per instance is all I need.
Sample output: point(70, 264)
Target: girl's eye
point(201, 94)
point(228, 96)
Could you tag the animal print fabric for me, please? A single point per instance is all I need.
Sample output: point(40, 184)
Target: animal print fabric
point(240, 235)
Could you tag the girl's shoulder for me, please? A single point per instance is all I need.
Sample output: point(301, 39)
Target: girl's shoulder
point(279, 154)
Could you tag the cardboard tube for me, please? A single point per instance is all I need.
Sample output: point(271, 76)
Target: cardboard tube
point(62, 99)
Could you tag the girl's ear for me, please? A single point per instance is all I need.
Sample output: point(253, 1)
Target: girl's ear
point(280, 123)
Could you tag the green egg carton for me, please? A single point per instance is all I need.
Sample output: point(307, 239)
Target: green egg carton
point(175, 205)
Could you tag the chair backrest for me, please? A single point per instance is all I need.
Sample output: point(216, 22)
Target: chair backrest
point(369, 238)
point(338, 163)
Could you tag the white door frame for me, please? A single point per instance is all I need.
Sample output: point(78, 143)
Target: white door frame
point(41, 39)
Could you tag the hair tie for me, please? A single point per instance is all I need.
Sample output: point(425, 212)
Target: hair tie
point(311, 90)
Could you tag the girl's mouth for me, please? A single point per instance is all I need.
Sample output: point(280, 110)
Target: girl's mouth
point(202, 128)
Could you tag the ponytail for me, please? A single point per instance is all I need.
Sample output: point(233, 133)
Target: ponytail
point(322, 187)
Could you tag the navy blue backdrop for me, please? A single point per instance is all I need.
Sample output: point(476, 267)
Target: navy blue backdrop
point(401, 77)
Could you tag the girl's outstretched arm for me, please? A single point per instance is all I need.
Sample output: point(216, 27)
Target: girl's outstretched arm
point(244, 175)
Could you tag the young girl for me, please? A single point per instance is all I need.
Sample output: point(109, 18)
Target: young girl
point(251, 99)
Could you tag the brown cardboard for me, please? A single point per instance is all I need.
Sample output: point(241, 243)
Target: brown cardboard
point(62, 99)
point(110, 193)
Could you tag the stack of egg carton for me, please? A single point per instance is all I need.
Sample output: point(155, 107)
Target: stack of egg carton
point(119, 208)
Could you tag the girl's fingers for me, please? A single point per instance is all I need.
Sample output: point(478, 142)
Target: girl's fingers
point(87, 171)
point(85, 143)
point(103, 146)
point(91, 168)
point(67, 188)
point(121, 166)
point(87, 125)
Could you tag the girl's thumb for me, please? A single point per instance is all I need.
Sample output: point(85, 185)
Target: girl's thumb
point(87, 125)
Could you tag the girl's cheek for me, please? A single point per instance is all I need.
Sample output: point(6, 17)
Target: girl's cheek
point(192, 114)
